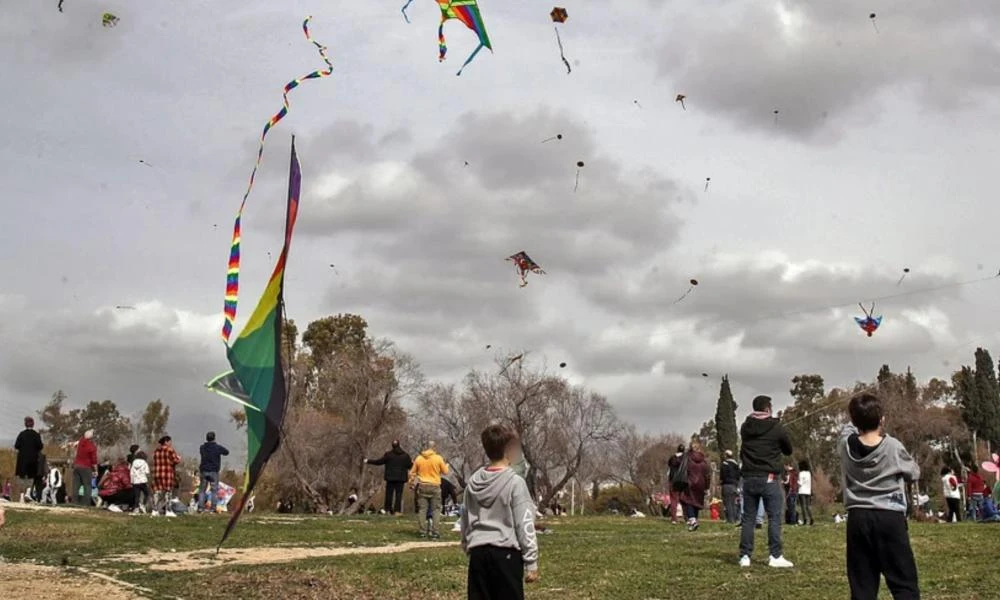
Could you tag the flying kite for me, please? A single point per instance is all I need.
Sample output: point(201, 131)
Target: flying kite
point(60, 5)
point(776, 116)
point(874, 24)
point(636, 102)
point(906, 271)
point(579, 165)
point(257, 379)
point(870, 323)
point(708, 180)
point(524, 265)
point(124, 307)
point(694, 284)
point(680, 98)
point(142, 162)
point(511, 361)
point(233, 273)
point(108, 20)
point(562, 365)
point(559, 15)
point(466, 11)
point(557, 136)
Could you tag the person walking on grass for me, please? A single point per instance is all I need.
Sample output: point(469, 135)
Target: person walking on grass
point(805, 493)
point(498, 525)
point(85, 468)
point(952, 494)
point(729, 475)
point(764, 441)
point(29, 449)
point(693, 495)
point(397, 465)
point(211, 465)
point(677, 482)
point(876, 469)
point(425, 476)
point(165, 461)
point(791, 495)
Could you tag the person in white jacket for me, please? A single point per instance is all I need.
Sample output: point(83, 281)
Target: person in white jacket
point(139, 472)
point(805, 493)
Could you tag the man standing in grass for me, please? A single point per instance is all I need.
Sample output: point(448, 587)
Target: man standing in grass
point(29, 450)
point(498, 525)
point(764, 441)
point(876, 469)
point(426, 479)
point(211, 465)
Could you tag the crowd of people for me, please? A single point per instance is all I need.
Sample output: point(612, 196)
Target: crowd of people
point(133, 483)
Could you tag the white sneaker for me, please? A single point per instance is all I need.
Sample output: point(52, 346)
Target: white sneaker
point(142, 509)
point(457, 528)
point(155, 513)
point(745, 562)
point(114, 508)
point(780, 563)
point(171, 513)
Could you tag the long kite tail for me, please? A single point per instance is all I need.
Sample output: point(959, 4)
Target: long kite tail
point(561, 54)
point(233, 272)
point(403, 10)
point(471, 56)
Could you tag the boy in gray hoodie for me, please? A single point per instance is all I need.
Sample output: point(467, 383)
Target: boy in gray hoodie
point(498, 525)
point(876, 469)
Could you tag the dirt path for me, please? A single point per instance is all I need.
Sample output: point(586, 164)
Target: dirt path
point(21, 580)
point(34, 506)
point(197, 560)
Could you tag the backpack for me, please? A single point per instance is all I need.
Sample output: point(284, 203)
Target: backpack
point(679, 481)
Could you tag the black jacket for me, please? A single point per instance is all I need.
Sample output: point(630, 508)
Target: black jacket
point(211, 457)
point(29, 446)
point(730, 472)
point(397, 465)
point(763, 442)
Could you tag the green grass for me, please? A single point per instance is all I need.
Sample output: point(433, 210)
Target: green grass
point(584, 558)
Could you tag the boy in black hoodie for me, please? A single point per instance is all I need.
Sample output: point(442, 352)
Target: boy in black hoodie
point(764, 441)
point(876, 468)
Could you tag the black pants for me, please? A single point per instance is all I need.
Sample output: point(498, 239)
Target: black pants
point(496, 574)
point(954, 509)
point(805, 507)
point(394, 497)
point(878, 544)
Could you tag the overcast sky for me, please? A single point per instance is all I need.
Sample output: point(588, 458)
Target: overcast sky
point(882, 156)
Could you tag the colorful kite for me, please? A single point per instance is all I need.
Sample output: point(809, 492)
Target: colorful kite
point(524, 265)
point(257, 380)
point(694, 284)
point(108, 19)
point(559, 15)
point(680, 98)
point(466, 11)
point(869, 323)
point(233, 273)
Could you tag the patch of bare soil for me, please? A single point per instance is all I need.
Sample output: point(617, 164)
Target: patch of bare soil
point(22, 580)
point(196, 560)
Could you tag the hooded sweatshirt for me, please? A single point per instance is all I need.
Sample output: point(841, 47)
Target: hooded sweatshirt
point(499, 512)
point(429, 467)
point(211, 457)
point(763, 442)
point(397, 464)
point(875, 476)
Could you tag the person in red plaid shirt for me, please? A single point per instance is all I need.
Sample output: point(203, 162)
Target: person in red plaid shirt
point(165, 461)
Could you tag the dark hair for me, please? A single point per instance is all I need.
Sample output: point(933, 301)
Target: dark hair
point(496, 439)
point(133, 448)
point(29, 422)
point(140, 454)
point(680, 447)
point(395, 443)
point(974, 468)
point(945, 470)
point(866, 412)
point(210, 436)
point(164, 440)
point(761, 403)
point(804, 465)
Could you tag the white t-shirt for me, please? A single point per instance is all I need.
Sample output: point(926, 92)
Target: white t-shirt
point(805, 483)
point(946, 483)
point(139, 473)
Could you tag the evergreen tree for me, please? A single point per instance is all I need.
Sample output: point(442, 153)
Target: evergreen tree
point(725, 419)
point(988, 396)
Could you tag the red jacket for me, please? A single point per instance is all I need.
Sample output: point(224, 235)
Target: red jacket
point(116, 480)
point(975, 485)
point(86, 454)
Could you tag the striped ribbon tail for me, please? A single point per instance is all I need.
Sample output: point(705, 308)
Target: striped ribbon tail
point(233, 271)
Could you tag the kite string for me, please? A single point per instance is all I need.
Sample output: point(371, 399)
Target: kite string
point(403, 10)
point(233, 272)
point(562, 55)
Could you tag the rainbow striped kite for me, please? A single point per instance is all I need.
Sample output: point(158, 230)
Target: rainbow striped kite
point(466, 11)
point(257, 380)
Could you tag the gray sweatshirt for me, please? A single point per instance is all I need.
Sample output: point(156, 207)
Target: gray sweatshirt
point(874, 476)
point(499, 512)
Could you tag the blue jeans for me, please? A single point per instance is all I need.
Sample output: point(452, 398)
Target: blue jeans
point(755, 490)
point(208, 489)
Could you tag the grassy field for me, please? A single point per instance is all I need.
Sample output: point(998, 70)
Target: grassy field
point(582, 558)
